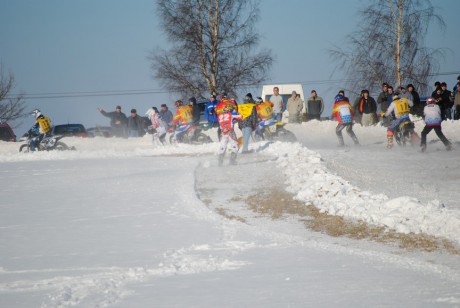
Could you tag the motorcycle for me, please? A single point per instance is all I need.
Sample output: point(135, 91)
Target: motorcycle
point(405, 134)
point(49, 143)
point(273, 131)
point(193, 135)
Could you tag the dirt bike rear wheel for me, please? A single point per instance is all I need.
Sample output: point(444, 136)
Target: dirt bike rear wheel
point(202, 138)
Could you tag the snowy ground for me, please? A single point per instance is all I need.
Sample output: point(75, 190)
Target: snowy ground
point(120, 223)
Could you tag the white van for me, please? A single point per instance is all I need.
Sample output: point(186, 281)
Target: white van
point(285, 92)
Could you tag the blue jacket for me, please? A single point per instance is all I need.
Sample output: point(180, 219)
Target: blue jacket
point(210, 112)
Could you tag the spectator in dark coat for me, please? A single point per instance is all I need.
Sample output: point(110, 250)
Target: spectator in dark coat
point(135, 125)
point(166, 115)
point(196, 110)
point(118, 121)
point(368, 109)
point(382, 101)
point(447, 102)
point(417, 109)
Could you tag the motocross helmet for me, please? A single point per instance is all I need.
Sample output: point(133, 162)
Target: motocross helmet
point(338, 98)
point(228, 107)
point(396, 95)
point(178, 103)
point(258, 100)
point(36, 113)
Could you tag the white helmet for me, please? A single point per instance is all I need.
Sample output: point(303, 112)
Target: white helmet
point(36, 113)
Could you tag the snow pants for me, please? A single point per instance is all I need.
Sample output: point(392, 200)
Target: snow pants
point(228, 138)
point(437, 129)
point(350, 132)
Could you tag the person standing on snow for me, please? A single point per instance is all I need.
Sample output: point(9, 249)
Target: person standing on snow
point(367, 109)
point(195, 110)
point(166, 115)
point(294, 107)
point(135, 125)
point(344, 113)
point(400, 107)
point(433, 120)
point(277, 100)
point(118, 121)
point(248, 121)
point(314, 106)
point(227, 119)
point(159, 126)
point(211, 114)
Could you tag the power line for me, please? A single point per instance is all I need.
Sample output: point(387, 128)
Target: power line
point(75, 94)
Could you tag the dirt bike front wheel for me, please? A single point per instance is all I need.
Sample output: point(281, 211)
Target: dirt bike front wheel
point(24, 148)
point(61, 146)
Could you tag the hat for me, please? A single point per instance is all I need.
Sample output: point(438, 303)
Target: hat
point(342, 92)
point(249, 95)
point(155, 108)
point(365, 91)
point(133, 111)
point(410, 86)
point(213, 96)
point(192, 99)
point(118, 107)
point(163, 105)
point(458, 78)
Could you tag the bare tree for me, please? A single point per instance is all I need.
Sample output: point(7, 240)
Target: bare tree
point(212, 44)
point(11, 107)
point(389, 46)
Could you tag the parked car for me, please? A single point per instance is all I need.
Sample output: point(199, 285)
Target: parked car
point(70, 130)
point(6, 133)
point(100, 131)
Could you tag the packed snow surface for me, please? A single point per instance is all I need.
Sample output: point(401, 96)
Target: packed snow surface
point(122, 223)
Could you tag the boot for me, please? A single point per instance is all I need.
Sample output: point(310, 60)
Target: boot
point(233, 159)
point(423, 148)
point(341, 143)
point(389, 142)
point(221, 160)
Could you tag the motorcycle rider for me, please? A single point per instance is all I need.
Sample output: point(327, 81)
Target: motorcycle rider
point(41, 128)
point(344, 113)
point(183, 120)
point(433, 120)
point(401, 108)
point(227, 119)
point(264, 113)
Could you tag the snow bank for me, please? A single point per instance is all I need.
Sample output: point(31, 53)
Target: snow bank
point(307, 177)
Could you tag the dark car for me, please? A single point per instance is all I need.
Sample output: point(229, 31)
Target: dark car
point(6, 133)
point(100, 131)
point(70, 130)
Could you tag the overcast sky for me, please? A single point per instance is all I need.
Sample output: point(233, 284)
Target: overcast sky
point(70, 47)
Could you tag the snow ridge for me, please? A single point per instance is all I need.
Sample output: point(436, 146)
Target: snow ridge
point(307, 177)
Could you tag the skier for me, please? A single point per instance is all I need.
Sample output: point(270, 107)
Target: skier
point(433, 120)
point(344, 113)
point(158, 125)
point(401, 108)
point(227, 119)
point(183, 120)
point(41, 128)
